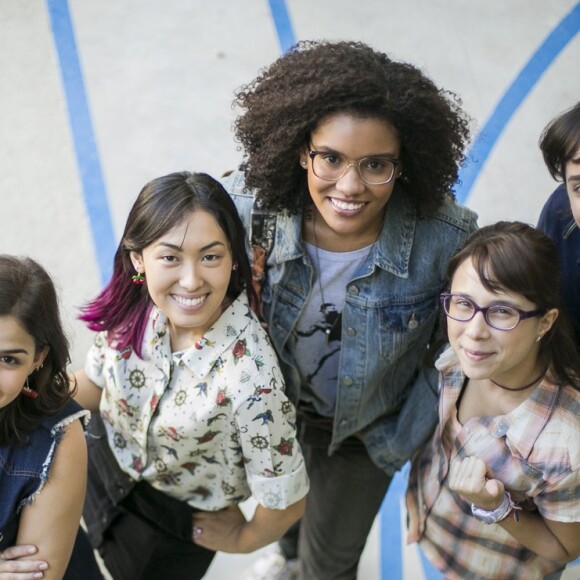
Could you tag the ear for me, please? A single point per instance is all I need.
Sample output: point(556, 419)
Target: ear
point(548, 320)
point(399, 170)
point(137, 261)
point(40, 356)
point(304, 158)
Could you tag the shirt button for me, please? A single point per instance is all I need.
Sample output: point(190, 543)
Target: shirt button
point(353, 291)
point(350, 331)
point(347, 381)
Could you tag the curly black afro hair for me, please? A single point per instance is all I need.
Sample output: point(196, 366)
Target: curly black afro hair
point(289, 99)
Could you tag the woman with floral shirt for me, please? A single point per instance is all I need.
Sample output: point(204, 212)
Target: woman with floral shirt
point(193, 417)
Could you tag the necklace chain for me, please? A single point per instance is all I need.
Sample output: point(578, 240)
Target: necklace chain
point(519, 388)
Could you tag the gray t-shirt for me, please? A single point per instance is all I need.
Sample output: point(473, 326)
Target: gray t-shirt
point(318, 331)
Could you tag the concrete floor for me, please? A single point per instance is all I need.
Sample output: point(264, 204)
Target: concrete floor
point(99, 97)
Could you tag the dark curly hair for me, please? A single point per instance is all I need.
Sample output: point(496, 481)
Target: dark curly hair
point(290, 98)
point(27, 293)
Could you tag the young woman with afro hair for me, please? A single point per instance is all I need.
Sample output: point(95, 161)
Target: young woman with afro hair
point(346, 192)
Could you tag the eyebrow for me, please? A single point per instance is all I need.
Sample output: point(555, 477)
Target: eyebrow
point(494, 303)
point(326, 149)
point(180, 248)
point(13, 351)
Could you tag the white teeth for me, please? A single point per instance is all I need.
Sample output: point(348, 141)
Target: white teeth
point(188, 301)
point(346, 205)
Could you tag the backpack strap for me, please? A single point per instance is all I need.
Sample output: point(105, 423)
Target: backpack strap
point(262, 233)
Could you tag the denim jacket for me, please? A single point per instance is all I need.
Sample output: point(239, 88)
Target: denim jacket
point(385, 394)
point(24, 470)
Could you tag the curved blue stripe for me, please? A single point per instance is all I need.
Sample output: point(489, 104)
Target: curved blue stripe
point(87, 156)
point(513, 98)
point(281, 17)
point(391, 542)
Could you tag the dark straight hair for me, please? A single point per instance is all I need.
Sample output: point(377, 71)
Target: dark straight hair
point(27, 293)
point(560, 141)
point(516, 257)
point(122, 307)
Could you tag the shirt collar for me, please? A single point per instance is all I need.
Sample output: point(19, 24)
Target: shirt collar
point(523, 425)
point(207, 353)
point(397, 232)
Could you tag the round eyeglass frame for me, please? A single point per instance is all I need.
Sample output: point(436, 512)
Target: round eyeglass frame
point(522, 314)
point(350, 163)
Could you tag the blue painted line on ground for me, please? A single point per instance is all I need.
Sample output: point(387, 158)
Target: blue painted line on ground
point(284, 29)
point(391, 541)
point(521, 87)
point(87, 156)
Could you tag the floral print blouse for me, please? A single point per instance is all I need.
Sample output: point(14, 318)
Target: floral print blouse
point(210, 425)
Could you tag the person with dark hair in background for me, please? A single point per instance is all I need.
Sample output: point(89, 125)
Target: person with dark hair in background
point(346, 190)
point(560, 217)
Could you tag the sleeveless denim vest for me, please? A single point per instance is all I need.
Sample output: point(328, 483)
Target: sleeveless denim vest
point(25, 470)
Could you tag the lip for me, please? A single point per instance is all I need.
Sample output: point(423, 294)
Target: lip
point(190, 303)
point(477, 355)
point(347, 208)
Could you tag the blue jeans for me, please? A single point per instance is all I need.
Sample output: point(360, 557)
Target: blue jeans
point(346, 492)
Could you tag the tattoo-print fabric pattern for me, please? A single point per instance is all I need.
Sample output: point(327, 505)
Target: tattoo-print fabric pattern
point(210, 425)
point(534, 450)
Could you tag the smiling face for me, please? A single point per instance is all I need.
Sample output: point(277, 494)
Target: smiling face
point(18, 358)
point(509, 357)
point(572, 173)
point(187, 271)
point(349, 210)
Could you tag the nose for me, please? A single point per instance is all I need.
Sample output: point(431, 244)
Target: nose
point(351, 182)
point(190, 277)
point(477, 327)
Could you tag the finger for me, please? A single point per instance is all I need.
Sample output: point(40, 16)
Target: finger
point(22, 569)
point(494, 487)
point(479, 468)
point(18, 551)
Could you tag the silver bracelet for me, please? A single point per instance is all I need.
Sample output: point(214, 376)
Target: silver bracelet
point(501, 512)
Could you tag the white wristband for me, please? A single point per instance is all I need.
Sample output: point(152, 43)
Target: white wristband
point(501, 512)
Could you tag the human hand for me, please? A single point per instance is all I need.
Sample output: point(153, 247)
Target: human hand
point(13, 568)
point(221, 531)
point(468, 478)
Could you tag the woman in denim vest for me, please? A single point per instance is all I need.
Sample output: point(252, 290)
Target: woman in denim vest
point(350, 158)
point(43, 456)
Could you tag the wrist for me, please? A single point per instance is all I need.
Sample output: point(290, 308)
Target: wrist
point(500, 513)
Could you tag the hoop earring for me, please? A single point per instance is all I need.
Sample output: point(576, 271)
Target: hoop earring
point(235, 266)
point(138, 278)
point(28, 392)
